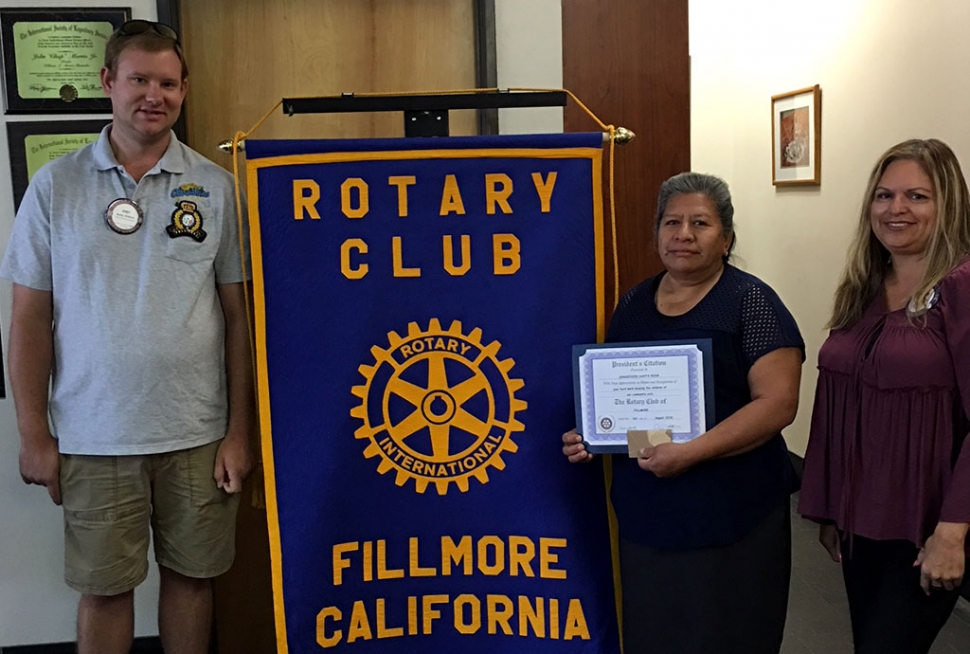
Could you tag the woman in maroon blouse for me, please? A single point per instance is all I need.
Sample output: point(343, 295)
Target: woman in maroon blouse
point(887, 471)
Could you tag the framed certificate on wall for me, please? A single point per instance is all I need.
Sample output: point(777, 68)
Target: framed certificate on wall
point(34, 143)
point(52, 58)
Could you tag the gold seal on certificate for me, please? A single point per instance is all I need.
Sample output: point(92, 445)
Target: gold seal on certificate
point(661, 385)
point(68, 93)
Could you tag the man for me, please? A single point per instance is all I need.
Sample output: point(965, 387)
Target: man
point(129, 305)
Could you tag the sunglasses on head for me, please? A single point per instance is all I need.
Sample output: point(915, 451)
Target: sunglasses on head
point(139, 26)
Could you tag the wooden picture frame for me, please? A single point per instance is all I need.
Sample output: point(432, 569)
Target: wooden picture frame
point(52, 58)
point(796, 137)
point(35, 142)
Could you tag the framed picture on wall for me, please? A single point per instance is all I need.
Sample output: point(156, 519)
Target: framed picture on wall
point(796, 137)
point(34, 143)
point(52, 58)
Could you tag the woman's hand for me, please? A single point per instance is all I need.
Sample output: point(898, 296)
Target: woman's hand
point(942, 558)
point(828, 536)
point(574, 449)
point(667, 459)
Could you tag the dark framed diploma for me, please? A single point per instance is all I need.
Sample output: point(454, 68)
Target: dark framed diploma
point(52, 58)
point(657, 385)
point(34, 143)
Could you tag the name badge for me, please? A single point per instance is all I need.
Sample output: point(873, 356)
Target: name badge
point(124, 216)
point(931, 300)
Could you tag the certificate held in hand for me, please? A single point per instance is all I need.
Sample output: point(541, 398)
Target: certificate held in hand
point(657, 385)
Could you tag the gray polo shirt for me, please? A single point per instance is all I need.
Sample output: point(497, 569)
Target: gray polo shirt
point(138, 326)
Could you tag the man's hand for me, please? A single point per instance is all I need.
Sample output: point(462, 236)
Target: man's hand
point(234, 462)
point(31, 354)
point(40, 464)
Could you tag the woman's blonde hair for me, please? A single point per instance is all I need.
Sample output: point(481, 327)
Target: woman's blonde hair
point(869, 262)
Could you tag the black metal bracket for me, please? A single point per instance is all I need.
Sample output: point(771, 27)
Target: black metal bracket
point(425, 114)
point(426, 123)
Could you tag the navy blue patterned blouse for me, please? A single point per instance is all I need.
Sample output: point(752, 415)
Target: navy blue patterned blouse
point(716, 502)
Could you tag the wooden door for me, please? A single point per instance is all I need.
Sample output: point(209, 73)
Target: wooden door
point(243, 57)
point(628, 60)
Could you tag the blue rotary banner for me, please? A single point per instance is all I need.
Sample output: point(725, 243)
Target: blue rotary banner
point(416, 305)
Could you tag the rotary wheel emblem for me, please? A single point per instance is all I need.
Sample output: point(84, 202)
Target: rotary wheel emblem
point(438, 407)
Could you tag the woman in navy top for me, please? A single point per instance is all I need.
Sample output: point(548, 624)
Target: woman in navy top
point(705, 535)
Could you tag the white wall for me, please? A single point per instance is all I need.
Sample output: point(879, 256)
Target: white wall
point(35, 605)
point(528, 41)
point(889, 70)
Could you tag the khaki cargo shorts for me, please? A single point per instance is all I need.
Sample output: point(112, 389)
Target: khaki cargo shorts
point(110, 501)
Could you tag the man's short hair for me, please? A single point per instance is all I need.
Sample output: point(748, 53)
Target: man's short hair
point(149, 41)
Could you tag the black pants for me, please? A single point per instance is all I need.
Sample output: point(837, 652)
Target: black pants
point(890, 612)
point(719, 600)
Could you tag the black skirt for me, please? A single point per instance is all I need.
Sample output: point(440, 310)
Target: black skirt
point(723, 600)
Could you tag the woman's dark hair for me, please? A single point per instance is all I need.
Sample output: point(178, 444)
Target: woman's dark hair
point(713, 187)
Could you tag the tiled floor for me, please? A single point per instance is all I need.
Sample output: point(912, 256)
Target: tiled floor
point(818, 614)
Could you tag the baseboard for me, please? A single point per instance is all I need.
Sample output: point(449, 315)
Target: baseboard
point(141, 646)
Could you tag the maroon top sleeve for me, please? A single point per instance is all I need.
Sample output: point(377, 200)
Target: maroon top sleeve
point(955, 307)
